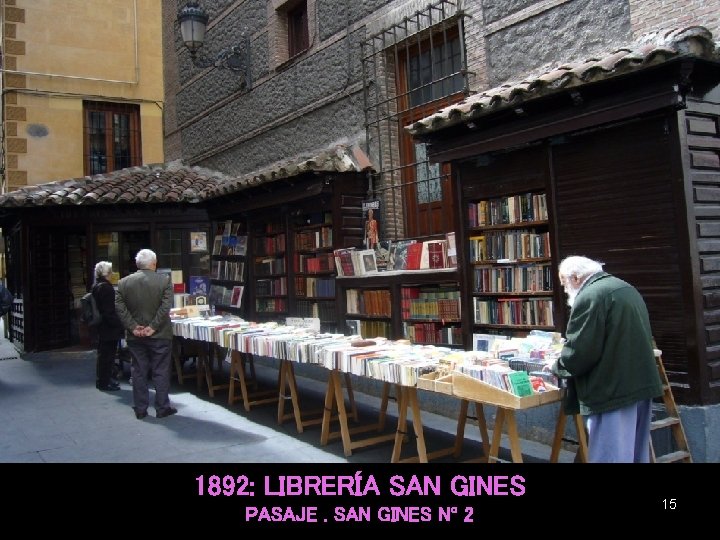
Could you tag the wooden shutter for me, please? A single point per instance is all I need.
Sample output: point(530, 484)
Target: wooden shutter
point(50, 290)
point(615, 202)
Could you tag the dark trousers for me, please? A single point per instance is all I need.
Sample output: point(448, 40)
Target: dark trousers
point(153, 355)
point(106, 351)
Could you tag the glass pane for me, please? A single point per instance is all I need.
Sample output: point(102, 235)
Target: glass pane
point(427, 175)
point(169, 252)
point(107, 248)
point(96, 141)
point(436, 75)
point(200, 264)
point(121, 140)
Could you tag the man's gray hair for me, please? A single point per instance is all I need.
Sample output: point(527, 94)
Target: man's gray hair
point(103, 269)
point(578, 266)
point(145, 259)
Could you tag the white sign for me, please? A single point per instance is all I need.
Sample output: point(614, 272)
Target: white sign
point(312, 323)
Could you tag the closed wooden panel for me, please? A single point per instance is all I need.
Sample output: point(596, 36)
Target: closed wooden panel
point(50, 290)
point(614, 203)
point(703, 140)
point(352, 228)
point(504, 174)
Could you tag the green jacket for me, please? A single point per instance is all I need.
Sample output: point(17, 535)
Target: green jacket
point(609, 351)
point(144, 299)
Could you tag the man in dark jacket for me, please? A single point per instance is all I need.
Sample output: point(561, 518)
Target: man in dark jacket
point(143, 304)
point(609, 356)
point(110, 330)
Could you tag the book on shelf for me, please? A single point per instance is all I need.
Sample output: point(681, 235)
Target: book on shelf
point(414, 254)
point(425, 255)
point(354, 327)
point(241, 245)
point(344, 261)
point(437, 254)
point(448, 309)
point(179, 300)
point(368, 262)
point(236, 298)
point(478, 248)
point(216, 271)
point(382, 254)
point(228, 244)
point(451, 250)
point(217, 245)
point(216, 294)
point(199, 285)
point(197, 300)
point(399, 255)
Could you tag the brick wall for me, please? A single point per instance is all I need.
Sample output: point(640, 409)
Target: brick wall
point(648, 15)
point(242, 131)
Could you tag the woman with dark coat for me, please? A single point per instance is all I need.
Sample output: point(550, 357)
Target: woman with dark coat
point(110, 330)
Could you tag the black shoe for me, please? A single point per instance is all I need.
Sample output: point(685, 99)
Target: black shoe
point(140, 415)
point(166, 412)
point(109, 388)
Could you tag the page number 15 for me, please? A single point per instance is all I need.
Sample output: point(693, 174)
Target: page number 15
point(670, 504)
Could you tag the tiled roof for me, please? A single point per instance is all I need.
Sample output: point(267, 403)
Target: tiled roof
point(341, 158)
point(649, 50)
point(174, 182)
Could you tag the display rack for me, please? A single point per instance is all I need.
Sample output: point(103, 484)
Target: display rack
point(510, 263)
point(227, 272)
point(314, 266)
point(395, 304)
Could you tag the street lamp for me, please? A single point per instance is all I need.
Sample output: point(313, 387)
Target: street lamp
point(193, 22)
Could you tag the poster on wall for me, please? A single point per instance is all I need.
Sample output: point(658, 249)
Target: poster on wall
point(371, 215)
point(372, 237)
point(198, 241)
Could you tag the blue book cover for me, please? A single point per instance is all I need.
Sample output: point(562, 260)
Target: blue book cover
point(199, 285)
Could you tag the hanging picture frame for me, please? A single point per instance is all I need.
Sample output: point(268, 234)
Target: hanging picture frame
point(198, 242)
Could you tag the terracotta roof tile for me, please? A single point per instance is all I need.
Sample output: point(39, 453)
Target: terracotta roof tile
point(650, 49)
point(176, 183)
point(339, 158)
point(170, 182)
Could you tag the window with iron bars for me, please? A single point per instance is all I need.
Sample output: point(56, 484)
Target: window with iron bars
point(411, 70)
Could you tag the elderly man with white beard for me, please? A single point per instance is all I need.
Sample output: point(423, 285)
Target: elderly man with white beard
point(609, 361)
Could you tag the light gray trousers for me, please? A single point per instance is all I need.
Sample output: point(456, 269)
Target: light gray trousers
point(620, 436)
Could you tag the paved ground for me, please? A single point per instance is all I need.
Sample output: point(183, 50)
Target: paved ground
point(50, 411)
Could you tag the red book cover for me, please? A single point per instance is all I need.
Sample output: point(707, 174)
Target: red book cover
point(436, 256)
point(413, 256)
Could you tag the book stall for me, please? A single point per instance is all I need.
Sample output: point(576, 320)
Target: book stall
point(509, 374)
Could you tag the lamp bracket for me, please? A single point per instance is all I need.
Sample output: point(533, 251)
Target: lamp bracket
point(235, 58)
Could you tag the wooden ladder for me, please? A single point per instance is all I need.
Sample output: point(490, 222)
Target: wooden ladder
point(681, 451)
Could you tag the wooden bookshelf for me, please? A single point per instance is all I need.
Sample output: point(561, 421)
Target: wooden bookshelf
point(510, 273)
point(292, 230)
point(386, 298)
point(228, 269)
point(313, 234)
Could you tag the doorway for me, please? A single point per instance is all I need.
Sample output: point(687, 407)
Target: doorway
point(120, 248)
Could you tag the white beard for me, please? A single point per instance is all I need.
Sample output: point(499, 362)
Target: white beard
point(571, 295)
